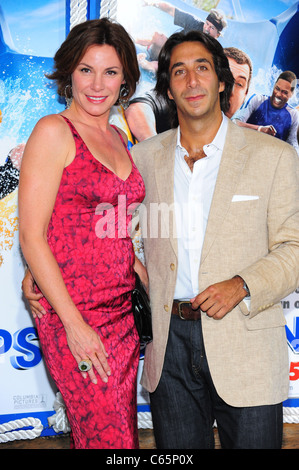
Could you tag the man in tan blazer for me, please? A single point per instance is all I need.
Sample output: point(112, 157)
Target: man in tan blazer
point(219, 347)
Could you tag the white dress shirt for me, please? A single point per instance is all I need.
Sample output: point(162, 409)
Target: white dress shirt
point(193, 193)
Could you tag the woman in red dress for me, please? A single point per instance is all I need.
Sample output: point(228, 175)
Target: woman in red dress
point(78, 185)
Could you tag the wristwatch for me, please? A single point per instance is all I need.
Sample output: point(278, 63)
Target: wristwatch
point(245, 287)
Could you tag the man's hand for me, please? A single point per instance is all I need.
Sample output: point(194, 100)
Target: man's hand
point(220, 298)
point(142, 273)
point(33, 298)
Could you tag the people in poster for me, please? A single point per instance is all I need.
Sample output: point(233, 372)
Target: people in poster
point(241, 67)
point(9, 180)
point(148, 115)
point(149, 60)
point(272, 114)
point(9, 172)
point(213, 25)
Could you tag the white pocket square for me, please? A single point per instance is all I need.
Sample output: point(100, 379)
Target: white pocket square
point(243, 197)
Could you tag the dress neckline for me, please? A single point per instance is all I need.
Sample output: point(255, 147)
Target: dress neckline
point(94, 158)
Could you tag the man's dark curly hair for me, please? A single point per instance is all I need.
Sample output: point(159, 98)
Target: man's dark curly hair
point(221, 65)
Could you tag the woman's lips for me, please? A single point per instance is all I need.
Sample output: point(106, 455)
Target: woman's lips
point(96, 99)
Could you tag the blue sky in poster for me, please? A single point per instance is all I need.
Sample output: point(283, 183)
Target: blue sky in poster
point(249, 28)
point(252, 10)
point(37, 27)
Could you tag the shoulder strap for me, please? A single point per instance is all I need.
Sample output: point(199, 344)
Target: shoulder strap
point(120, 135)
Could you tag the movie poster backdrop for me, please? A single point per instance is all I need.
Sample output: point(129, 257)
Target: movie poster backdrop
point(30, 33)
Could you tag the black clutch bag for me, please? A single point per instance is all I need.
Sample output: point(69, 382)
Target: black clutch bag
point(142, 313)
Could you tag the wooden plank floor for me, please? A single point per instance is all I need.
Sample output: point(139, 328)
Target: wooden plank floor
point(146, 438)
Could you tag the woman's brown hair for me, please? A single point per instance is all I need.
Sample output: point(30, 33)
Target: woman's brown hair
point(89, 33)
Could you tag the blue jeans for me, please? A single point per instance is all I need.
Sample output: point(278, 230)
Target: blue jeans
point(185, 404)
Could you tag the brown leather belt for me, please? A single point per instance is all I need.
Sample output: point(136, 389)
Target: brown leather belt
point(184, 310)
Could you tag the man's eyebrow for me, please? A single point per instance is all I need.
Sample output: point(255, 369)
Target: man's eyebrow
point(241, 77)
point(203, 60)
point(177, 64)
point(200, 61)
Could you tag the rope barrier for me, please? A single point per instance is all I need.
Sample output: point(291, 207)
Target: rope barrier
point(78, 12)
point(290, 415)
point(145, 420)
point(108, 9)
point(12, 430)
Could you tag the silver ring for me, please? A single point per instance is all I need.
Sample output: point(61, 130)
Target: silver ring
point(85, 365)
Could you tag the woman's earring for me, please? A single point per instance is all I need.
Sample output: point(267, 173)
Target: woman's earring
point(68, 96)
point(123, 99)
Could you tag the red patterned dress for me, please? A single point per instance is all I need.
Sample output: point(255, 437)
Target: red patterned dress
point(87, 234)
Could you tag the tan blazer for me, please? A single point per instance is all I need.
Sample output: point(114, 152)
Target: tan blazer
point(253, 231)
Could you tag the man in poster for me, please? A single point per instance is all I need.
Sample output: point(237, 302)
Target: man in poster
point(272, 114)
point(213, 25)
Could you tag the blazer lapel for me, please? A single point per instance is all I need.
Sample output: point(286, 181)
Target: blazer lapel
point(164, 173)
point(232, 163)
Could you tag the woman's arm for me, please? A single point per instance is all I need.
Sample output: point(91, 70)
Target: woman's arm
point(49, 149)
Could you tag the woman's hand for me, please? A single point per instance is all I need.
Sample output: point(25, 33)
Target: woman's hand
point(83, 341)
point(85, 344)
point(33, 298)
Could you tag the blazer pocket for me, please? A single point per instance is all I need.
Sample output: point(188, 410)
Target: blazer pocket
point(272, 317)
point(243, 198)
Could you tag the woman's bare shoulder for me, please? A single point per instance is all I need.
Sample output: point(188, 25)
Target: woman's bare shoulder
point(50, 137)
point(52, 123)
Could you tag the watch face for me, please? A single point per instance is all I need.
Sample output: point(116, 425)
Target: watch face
point(246, 288)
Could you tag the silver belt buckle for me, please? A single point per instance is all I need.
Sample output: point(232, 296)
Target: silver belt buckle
point(179, 307)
